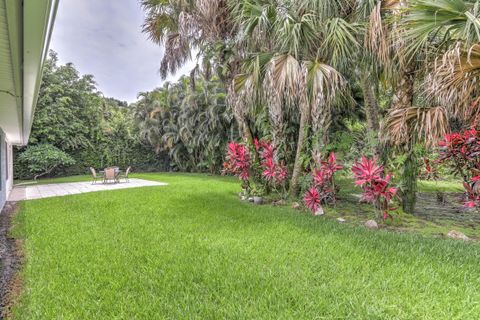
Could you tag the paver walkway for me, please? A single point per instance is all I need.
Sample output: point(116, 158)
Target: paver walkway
point(63, 189)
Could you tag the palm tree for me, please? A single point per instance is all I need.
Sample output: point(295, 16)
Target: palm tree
point(385, 39)
point(443, 36)
point(292, 41)
point(185, 27)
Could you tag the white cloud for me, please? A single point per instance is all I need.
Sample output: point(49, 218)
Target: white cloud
point(104, 38)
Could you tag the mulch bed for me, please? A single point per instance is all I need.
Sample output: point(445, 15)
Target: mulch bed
point(10, 259)
point(450, 208)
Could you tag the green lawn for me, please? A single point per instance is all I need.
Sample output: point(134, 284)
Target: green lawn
point(192, 250)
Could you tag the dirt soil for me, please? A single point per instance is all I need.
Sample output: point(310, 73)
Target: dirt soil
point(450, 208)
point(11, 258)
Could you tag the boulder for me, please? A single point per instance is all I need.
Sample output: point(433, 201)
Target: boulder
point(278, 203)
point(319, 211)
point(453, 234)
point(341, 220)
point(371, 224)
point(296, 205)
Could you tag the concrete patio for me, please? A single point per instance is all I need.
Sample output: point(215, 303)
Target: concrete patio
point(30, 192)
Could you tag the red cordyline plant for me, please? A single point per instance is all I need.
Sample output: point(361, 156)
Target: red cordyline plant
point(323, 189)
point(376, 186)
point(462, 152)
point(430, 171)
point(273, 171)
point(238, 162)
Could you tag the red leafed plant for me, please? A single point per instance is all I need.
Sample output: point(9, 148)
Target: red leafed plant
point(376, 186)
point(238, 161)
point(273, 171)
point(472, 195)
point(430, 172)
point(323, 189)
point(311, 198)
point(462, 152)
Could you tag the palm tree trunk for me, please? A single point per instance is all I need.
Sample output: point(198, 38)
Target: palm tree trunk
point(321, 118)
point(403, 98)
point(276, 120)
point(371, 112)
point(302, 139)
point(371, 105)
point(409, 179)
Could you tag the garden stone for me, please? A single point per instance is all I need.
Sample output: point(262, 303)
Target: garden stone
point(341, 220)
point(278, 203)
point(457, 235)
point(319, 211)
point(258, 200)
point(371, 224)
point(296, 205)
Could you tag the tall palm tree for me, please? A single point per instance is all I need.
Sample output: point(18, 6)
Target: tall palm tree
point(204, 27)
point(386, 40)
point(293, 41)
point(442, 36)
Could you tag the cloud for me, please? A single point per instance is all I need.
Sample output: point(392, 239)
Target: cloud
point(104, 38)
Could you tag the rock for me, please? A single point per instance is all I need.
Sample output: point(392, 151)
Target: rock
point(250, 199)
point(457, 235)
point(341, 220)
point(319, 211)
point(371, 224)
point(258, 200)
point(296, 205)
point(278, 203)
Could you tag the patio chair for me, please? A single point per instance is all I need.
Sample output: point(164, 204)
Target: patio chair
point(95, 177)
point(125, 175)
point(109, 175)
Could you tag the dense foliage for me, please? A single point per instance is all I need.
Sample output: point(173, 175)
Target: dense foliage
point(292, 70)
point(188, 120)
point(72, 115)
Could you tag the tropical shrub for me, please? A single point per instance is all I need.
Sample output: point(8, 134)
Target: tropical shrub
point(238, 163)
point(42, 159)
point(461, 151)
point(375, 185)
point(274, 172)
point(323, 189)
point(430, 171)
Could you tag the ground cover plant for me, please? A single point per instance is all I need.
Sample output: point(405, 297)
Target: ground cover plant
point(192, 250)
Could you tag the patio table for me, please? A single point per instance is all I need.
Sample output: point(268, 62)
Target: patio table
point(118, 171)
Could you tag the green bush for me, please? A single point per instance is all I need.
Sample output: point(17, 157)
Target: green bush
point(42, 159)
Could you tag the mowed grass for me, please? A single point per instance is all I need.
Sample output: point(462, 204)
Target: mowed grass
point(192, 250)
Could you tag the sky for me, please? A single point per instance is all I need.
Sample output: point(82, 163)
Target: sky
point(104, 38)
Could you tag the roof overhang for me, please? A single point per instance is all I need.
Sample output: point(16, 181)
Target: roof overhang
point(25, 31)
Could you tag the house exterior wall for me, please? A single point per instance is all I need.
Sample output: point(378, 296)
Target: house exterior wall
point(6, 169)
